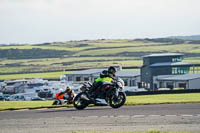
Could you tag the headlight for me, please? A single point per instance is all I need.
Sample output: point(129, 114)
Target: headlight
point(120, 85)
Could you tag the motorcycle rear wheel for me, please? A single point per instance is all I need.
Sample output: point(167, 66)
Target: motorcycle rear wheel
point(80, 103)
point(119, 101)
point(57, 102)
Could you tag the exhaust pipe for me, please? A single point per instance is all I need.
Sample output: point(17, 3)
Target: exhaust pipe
point(84, 97)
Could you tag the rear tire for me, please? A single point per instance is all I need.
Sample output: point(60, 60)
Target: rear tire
point(119, 101)
point(80, 103)
point(57, 102)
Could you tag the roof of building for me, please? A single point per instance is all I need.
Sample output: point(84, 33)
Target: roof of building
point(179, 77)
point(171, 64)
point(163, 54)
point(128, 73)
point(89, 71)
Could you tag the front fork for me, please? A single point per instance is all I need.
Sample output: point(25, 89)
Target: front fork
point(116, 93)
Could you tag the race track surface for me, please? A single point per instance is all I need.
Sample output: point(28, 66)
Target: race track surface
point(164, 117)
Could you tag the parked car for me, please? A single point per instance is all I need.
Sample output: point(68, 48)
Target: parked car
point(37, 99)
point(16, 98)
point(6, 96)
point(2, 98)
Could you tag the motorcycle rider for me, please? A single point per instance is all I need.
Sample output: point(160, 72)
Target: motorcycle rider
point(68, 94)
point(105, 76)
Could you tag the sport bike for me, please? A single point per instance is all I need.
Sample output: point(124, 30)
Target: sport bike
point(107, 94)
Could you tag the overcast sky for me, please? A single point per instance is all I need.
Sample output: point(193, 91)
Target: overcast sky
point(39, 21)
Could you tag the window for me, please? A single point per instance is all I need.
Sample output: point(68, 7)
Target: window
point(170, 85)
point(140, 85)
point(182, 85)
point(78, 78)
point(132, 83)
point(125, 82)
point(177, 59)
point(70, 78)
point(86, 78)
point(174, 70)
point(161, 84)
point(180, 70)
point(155, 86)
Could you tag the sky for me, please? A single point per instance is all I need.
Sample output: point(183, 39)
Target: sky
point(41, 21)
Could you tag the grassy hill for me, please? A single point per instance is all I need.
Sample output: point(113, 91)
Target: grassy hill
point(59, 56)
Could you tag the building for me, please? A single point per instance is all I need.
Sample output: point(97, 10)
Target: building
point(84, 75)
point(165, 70)
point(163, 65)
point(131, 78)
point(186, 81)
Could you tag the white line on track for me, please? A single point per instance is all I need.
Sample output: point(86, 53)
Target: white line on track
point(154, 115)
point(76, 117)
point(138, 116)
point(104, 116)
point(170, 115)
point(93, 116)
point(186, 115)
point(120, 116)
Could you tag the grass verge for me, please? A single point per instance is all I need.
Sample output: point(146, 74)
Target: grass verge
point(150, 131)
point(131, 100)
point(16, 105)
point(163, 99)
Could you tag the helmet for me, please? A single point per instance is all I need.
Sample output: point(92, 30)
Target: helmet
point(68, 89)
point(111, 69)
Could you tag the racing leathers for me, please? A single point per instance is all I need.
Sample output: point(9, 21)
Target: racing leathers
point(69, 95)
point(105, 76)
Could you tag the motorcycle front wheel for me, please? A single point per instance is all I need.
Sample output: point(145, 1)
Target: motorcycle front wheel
point(116, 102)
point(80, 103)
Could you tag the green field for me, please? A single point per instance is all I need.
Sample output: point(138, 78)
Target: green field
point(48, 75)
point(88, 54)
point(131, 100)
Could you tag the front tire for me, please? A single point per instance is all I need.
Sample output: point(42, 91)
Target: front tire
point(119, 101)
point(80, 103)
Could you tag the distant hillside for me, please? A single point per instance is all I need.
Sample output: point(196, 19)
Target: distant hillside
point(59, 56)
point(193, 37)
point(163, 40)
point(34, 53)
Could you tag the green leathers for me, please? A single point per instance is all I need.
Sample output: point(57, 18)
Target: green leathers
point(106, 79)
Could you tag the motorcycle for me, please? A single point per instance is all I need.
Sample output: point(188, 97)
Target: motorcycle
point(108, 94)
point(61, 102)
point(65, 101)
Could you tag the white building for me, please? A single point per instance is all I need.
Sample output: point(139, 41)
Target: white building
point(186, 81)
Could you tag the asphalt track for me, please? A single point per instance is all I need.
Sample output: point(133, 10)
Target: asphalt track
point(164, 117)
